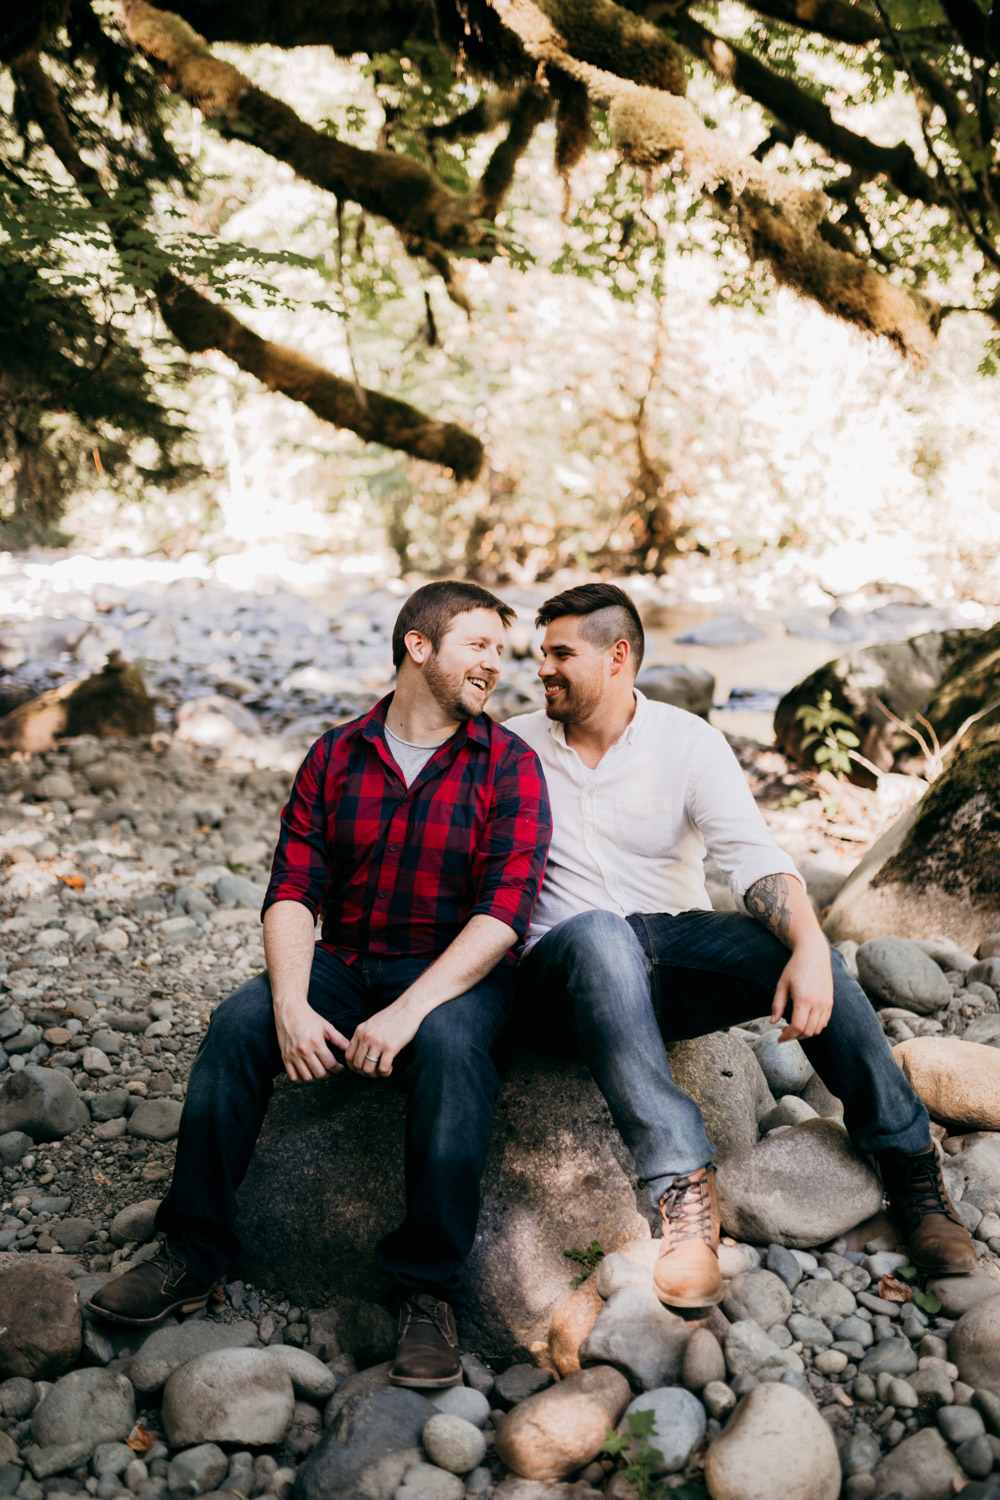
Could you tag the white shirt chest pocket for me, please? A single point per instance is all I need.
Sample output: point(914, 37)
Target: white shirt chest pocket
point(644, 825)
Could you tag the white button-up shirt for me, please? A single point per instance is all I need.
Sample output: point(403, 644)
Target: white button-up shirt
point(631, 834)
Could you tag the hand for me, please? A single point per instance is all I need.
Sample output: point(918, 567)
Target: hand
point(306, 1041)
point(377, 1041)
point(806, 980)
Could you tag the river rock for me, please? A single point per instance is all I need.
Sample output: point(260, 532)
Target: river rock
point(167, 1349)
point(41, 1327)
point(156, 1119)
point(974, 1346)
point(678, 1427)
point(197, 1470)
point(462, 1401)
point(453, 1443)
point(571, 1323)
point(784, 1064)
point(760, 1295)
point(958, 1081)
point(93, 1404)
point(775, 1443)
point(641, 1337)
point(684, 686)
point(704, 1361)
point(134, 1223)
point(41, 1102)
point(935, 868)
point(919, 1468)
point(311, 1379)
point(749, 1351)
point(229, 1396)
point(371, 1443)
point(723, 1077)
point(560, 1430)
point(557, 1177)
point(894, 971)
point(799, 1188)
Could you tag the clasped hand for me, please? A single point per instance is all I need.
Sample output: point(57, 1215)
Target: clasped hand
point(309, 1043)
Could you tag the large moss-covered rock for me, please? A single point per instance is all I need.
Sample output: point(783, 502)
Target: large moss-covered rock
point(111, 704)
point(899, 674)
point(326, 1182)
point(970, 684)
point(936, 870)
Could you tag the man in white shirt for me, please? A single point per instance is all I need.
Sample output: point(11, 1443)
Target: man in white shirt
point(624, 932)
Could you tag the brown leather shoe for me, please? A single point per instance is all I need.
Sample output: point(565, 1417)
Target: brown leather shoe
point(150, 1291)
point(687, 1273)
point(918, 1201)
point(427, 1355)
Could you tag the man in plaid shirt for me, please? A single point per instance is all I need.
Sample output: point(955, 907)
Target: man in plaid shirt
point(418, 834)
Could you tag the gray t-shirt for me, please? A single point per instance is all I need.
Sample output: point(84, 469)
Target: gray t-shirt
point(410, 759)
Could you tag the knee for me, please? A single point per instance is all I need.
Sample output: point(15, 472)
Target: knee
point(601, 940)
point(243, 1024)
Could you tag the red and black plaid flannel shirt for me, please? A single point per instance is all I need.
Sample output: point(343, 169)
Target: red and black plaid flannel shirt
point(400, 870)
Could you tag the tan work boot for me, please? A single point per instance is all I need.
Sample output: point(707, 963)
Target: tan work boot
point(939, 1242)
point(687, 1273)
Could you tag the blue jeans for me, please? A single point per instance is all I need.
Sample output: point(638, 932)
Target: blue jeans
point(450, 1082)
point(632, 984)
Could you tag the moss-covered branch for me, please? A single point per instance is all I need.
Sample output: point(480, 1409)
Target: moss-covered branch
point(198, 324)
point(779, 220)
point(392, 186)
point(801, 111)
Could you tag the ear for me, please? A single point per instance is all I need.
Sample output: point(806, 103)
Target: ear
point(620, 655)
point(418, 647)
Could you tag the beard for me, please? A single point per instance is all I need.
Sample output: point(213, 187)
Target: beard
point(575, 703)
point(453, 692)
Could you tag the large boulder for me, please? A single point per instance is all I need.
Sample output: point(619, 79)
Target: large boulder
point(41, 1327)
point(971, 683)
point(724, 1078)
point(110, 704)
point(42, 1102)
point(801, 1187)
point(684, 686)
point(958, 1081)
point(326, 1182)
point(775, 1443)
point(936, 868)
point(899, 674)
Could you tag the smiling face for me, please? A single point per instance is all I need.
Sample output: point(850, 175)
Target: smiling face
point(465, 668)
point(575, 673)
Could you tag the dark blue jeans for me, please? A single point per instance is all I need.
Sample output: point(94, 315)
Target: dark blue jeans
point(450, 1082)
point(632, 984)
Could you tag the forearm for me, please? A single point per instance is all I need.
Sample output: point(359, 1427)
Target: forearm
point(780, 903)
point(477, 950)
point(289, 940)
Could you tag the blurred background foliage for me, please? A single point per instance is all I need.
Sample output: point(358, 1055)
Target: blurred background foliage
point(643, 392)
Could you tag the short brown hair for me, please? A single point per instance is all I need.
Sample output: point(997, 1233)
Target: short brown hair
point(610, 616)
point(432, 608)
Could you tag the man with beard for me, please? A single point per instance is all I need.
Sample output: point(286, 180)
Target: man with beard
point(624, 934)
point(418, 833)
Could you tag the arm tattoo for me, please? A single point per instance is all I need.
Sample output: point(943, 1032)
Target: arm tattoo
point(767, 901)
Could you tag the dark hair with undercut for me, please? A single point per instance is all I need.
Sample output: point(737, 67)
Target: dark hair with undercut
point(609, 616)
point(432, 608)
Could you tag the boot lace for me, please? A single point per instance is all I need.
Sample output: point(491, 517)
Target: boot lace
point(925, 1188)
point(425, 1309)
point(686, 1209)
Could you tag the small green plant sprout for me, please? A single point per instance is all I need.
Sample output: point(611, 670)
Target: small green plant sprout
point(927, 1301)
point(829, 733)
point(589, 1259)
point(636, 1449)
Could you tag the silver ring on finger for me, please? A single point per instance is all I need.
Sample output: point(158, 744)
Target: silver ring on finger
point(373, 1056)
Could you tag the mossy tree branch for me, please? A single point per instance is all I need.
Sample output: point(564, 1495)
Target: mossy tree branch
point(780, 222)
point(199, 324)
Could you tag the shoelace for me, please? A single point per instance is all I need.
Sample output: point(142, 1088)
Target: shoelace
point(421, 1309)
point(685, 1205)
point(926, 1194)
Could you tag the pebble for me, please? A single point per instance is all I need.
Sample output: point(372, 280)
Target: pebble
point(462, 1401)
point(678, 1426)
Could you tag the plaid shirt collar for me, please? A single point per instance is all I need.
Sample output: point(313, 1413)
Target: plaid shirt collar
point(475, 731)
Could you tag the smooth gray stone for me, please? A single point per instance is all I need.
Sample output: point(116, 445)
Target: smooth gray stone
point(57, 1457)
point(784, 1064)
point(862, 1452)
point(855, 1331)
point(894, 971)
point(760, 1295)
point(13, 1145)
point(890, 1357)
point(679, 1426)
point(976, 1457)
point(228, 1396)
point(111, 1458)
point(42, 1103)
point(197, 1470)
point(368, 1448)
point(155, 1119)
point(639, 1336)
point(918, 1468)
point(960, 1423)
point(18, 1397)
point(810, 1331)
point(749, 1351)
point(462, 1401)
point(168, 1349)
point(518, 1382)
point(784, 1264)
point(94, 1405)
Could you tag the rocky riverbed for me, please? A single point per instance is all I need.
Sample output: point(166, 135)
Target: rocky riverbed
point(130, 882)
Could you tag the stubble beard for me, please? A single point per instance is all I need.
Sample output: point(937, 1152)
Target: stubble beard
point(449, 690)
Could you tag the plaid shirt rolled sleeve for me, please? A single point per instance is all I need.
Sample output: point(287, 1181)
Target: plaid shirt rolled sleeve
point(400, 870)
